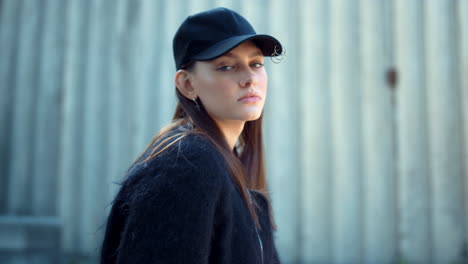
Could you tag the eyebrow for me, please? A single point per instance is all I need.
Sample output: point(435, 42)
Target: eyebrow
point(254, 54)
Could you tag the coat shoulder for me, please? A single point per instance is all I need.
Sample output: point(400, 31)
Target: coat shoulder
point(191, 160)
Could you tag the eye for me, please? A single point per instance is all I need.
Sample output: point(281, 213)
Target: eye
point(225, 68)
point(257, 65)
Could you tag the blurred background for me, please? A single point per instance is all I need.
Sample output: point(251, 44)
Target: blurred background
point(366, 123)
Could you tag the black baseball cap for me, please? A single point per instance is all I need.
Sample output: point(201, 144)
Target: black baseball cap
point(212, 33)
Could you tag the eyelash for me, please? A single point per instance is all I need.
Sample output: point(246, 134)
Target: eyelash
point(223, 68)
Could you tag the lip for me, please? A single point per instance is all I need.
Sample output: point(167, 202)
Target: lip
point(250, 98)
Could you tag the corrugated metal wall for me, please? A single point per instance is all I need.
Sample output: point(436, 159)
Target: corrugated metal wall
point(366, 123)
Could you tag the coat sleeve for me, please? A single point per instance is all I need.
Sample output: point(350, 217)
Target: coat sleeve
point(170, 217)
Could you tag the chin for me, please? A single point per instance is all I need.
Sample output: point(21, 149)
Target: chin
point(251, 116)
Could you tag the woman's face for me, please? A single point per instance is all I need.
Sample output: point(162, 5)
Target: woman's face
point(233, 86)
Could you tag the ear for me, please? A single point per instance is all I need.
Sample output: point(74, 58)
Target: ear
point(183, 83)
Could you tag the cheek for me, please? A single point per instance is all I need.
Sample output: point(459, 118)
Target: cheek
point(214, 91)
point(263, 83)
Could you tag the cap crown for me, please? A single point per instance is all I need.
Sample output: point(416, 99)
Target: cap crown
point(203, 30)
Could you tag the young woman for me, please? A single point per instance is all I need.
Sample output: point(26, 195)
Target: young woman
point(198, 193)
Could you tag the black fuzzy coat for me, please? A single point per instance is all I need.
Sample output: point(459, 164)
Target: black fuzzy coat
point(183, 207)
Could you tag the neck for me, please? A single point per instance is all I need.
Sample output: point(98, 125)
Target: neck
point(231, 130)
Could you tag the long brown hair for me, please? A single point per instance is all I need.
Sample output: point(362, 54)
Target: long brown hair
point(246, 164)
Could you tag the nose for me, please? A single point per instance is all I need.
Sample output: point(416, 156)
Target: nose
point(247, 78)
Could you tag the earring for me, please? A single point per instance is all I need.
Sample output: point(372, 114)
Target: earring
point(196, 103)
point(277, 57)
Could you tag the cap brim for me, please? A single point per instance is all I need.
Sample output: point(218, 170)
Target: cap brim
point(269, 45)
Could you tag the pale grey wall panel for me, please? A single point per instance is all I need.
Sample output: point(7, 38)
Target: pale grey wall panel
point(8, 40)
point(71, 146)
point(195, 6)
point(413, 167)
point(282, 134)
point(95, 124)
point(126, 65)
point(39, 236)
point(24, 105)
point(314, 117)
point(232, 4)
point(346, 132)
point(149, 27)
point(172, 17)
point(119, 138)
point(250, 10)
point(129, 97)
point(131, 60)
point(378, 138)
point(463, 70)
point(444, 132)
point(47, 116)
